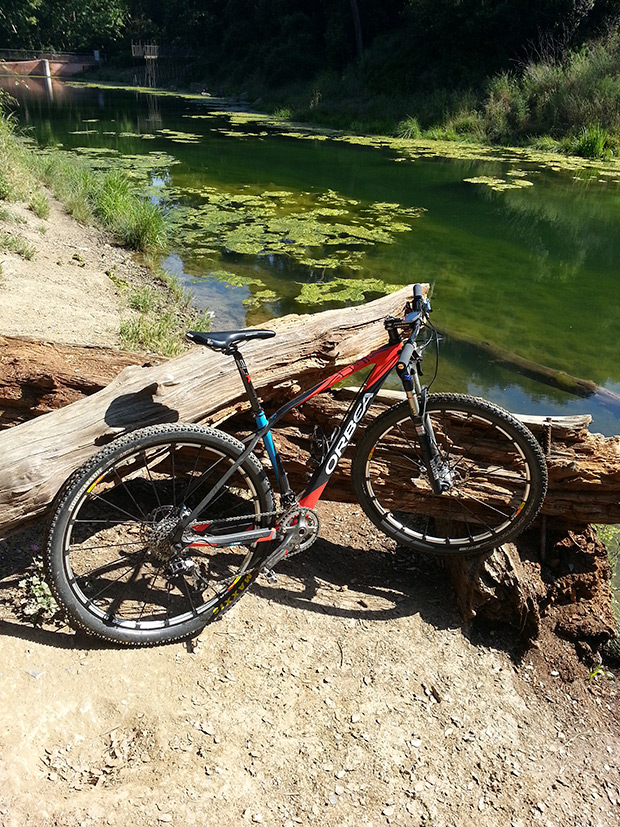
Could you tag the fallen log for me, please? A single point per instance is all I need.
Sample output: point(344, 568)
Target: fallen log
point(583, 468)
point(38, 377)
point(510, 585)
point(36, 456)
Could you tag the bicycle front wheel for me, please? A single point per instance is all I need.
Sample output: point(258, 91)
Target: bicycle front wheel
point(112, 552)
point(494, 469)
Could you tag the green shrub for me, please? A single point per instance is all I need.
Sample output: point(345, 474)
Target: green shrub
point(409, 128)
point(592, 142)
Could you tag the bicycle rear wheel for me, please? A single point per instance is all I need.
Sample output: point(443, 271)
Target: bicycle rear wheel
point(111, 553)
point(496, 472)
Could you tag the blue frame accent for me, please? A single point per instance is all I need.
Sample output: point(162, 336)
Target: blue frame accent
point(261, 421)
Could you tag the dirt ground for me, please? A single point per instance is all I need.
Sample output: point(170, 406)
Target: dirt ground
point(347, 693)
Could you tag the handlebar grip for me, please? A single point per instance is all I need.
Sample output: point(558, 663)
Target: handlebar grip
point(406, 354)
point(417, 297)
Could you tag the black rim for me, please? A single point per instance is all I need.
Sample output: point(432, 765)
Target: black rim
point(484, 463)
point(119, 557)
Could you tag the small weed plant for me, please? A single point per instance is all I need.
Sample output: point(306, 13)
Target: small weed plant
point(15, 244)
point(40, 205)
point(37, 603)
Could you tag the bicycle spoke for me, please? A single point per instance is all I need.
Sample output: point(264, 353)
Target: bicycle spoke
point(121, 552)
point(487, 465)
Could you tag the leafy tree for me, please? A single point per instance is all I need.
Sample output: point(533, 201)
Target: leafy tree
point(19, 24)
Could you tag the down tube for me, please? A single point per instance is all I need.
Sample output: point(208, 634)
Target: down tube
point(364, 399)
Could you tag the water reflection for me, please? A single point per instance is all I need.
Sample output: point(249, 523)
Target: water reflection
point(532, 270)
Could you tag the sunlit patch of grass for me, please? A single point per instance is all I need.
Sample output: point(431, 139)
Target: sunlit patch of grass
point(409, 128)
point(162, 315)
point(161, 331)
point(110, 199)
point(40, 205)
point(15, 244)
point(592, 142)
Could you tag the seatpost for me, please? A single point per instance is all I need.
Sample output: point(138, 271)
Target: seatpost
point(245, 378)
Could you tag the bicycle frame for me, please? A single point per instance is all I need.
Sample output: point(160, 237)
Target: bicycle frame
point(384, 360)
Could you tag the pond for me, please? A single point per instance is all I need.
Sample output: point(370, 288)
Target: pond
point(521, 249)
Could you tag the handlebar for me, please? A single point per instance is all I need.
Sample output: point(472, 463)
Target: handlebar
point(416, 314)
point(417, 297)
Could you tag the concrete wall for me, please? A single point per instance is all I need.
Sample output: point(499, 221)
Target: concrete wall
point(34, 67)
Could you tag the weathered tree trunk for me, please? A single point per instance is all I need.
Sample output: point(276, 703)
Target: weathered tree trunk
point(36, 456)
point(357, 27)
point(584, 468)
point(558, 568)
point(38, 377)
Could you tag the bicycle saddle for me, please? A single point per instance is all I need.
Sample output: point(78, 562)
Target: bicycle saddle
point(225, 338)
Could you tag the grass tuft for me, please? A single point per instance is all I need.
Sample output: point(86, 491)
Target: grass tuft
point(15, 244)
point(40, 205)
point(592, 142)
point(409, 129)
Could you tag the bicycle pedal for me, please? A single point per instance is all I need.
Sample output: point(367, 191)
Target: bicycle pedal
point(269, 575)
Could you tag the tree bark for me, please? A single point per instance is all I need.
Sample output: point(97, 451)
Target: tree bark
point(36, 456)
point(558, 568)
point(357, 27)
point(38, 377)
point(583, 468)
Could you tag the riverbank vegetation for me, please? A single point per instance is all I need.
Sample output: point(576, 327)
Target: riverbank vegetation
point(109, 200)
point(463, 71)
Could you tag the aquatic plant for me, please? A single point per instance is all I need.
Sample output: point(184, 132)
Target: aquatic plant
point(344, 290)
point(302, 228)
point(592, 142)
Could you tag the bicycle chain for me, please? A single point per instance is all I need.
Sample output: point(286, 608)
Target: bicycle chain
point(244, 517)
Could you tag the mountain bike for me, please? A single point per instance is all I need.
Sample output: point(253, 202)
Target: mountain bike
point(168, 526)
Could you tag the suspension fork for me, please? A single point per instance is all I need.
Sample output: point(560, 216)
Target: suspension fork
point(416, 396)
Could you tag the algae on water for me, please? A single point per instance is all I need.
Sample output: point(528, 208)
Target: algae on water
point(344, 290)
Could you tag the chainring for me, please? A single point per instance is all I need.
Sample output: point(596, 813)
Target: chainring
point(307, 523)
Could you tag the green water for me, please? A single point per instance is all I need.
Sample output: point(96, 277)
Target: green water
point(270, 220)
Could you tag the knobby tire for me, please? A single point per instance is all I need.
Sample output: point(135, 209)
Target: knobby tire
point(106, 554)
point(497, 472)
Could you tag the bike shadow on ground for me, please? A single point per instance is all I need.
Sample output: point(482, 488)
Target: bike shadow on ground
point(380, 583)
point(366, 584)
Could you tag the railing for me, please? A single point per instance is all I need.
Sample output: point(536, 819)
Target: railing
point(57, 57)
point(146, 50)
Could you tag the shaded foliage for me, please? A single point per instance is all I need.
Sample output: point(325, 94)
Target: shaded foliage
point(363, 54)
